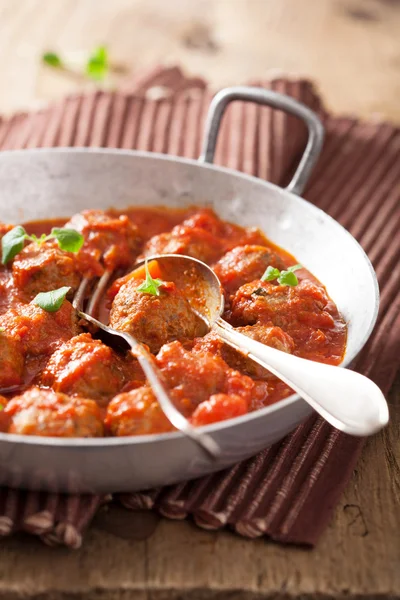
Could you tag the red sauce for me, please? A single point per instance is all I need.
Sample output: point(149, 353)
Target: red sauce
point(208, 381)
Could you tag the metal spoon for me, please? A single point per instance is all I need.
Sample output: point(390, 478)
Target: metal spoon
point(347, 400)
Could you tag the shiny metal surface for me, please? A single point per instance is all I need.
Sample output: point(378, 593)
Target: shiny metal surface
point(275, 100)
point(38, 184)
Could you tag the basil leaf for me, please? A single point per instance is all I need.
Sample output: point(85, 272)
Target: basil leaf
point(51, 301)
point(52, 59)
point(294, 268)
point(68, 239)
point(288, 278)
point(97, 65)
point(12, 243)
point(270, 274)
point(150, 286)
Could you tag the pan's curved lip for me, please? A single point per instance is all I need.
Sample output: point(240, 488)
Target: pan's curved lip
point(104, 443)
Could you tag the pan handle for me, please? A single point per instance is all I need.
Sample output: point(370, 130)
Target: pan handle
point(275, 100)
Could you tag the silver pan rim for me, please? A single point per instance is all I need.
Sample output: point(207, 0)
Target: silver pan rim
point(77, 443)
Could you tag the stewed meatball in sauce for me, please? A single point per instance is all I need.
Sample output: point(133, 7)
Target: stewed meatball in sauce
point(155, 320)
point(47, 413)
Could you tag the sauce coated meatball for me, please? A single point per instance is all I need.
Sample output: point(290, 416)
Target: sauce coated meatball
point(267, 334)
point(244, 264)
point(38, 331)
point(46, 413)
point(44, 268)
point(194, 377)
point(284, 306)
point(203, 236)
point(155, 320)
point(304, 312)
point(112, 241)
point(136, 413)
point(11, 361)
point(184, 240)
point(219, 408)
point(86, 367)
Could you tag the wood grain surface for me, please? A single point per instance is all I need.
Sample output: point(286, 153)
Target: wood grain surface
point(350, 47)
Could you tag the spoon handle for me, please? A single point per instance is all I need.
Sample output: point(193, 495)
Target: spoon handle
point(347, 400)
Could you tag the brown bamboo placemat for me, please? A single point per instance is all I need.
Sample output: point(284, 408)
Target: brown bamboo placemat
point(288, 491)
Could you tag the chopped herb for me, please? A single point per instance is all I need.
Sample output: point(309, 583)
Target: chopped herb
point(52, 59)
point(1, 407)
point(286, 277)
point(51, 301)
point(97, 66)
point(68, 239)
point(13, 241)
point(270, 274)
point(150, 286)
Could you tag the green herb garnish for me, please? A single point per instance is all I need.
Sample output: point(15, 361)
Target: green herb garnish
point(283, 277)
point(13, 241)
point(1, 407)
point(51, 301)
point(97, 66)
point(52, 59)
point(150, 286)
point(69, 240)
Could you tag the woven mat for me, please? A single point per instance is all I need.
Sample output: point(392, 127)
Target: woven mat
point(288, 491)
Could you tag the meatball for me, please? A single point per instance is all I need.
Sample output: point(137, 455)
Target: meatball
point(243, 264)
point(46, 413)
point(86, 367)
point(44, 268)
point(266, 334)
point(11, 361)
point(286, 307)
point(229, 234)
point(199, 236)
point(38, 331)
point(155, 320)
point(194, 377)
point(186, 240)
point(219, 408)
point(110, 241)
point(136, 413)
point(203, 236)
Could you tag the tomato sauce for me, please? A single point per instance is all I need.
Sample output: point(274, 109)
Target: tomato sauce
point(58, 378)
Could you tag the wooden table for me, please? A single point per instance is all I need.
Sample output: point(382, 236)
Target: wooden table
point(352, 49)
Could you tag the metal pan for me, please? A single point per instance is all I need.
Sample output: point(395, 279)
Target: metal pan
point(37, 184)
